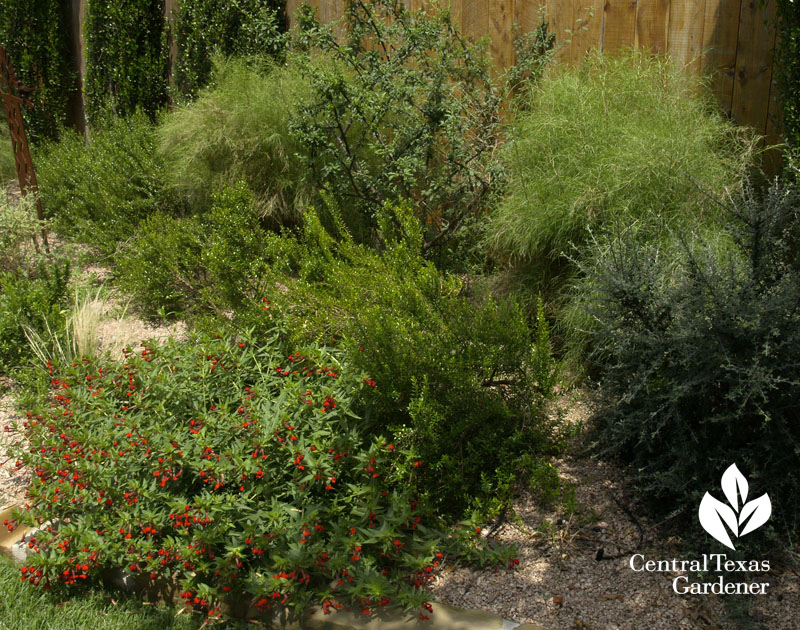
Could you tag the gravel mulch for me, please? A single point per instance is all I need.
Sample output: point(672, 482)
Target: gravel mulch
point(12, 482)
point(561, 584)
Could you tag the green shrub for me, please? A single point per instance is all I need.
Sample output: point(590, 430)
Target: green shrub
point(34, 299)
point(19, 226)
point(239, 129)
point(8, 168)
point(614, 140)
point(98, 192)
point(243, 28)
point(787, 69)
point(240, 470)
point(33, 286)
point(407, 109)
point(159, 268)
point(199, 264)
point(458, 378)
point(698, 351)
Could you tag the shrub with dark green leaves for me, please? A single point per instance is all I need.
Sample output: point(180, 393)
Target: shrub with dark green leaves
point(459, 377)
point(406, 109)
point(787, 69)
point(240, 470)
point(99, 192)
point(699, 353)
point(36, 38)
point(126, 57)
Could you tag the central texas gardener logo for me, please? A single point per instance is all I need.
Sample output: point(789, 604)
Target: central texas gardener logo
point(741, 516)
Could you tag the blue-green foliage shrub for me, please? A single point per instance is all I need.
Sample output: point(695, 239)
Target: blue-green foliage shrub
point(99, 191)
point(699, 351)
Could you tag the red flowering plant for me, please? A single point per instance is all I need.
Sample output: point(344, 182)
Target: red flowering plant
point(235, 469)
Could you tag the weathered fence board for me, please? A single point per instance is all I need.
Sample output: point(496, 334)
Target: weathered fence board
point(686, 24)
point(730, 40)
point(587, 29)
point(751, 82)
point(619, 25)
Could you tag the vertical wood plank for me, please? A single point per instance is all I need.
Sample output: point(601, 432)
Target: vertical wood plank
point(561, 23)
point(685, 40)
point(619, 25)
point(720, 38)
point(475, 19)
point(588, 28)
point(652, 25)
point(501, 35)
point(457, 13)
point(528, 14)
point(291, 12)
point(753, 75)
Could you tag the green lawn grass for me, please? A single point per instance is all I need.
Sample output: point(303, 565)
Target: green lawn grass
point(24, 607)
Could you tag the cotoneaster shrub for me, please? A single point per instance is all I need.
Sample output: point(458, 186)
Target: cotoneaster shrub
point(698, 349)
point(237, 469)
point(407, 109)
point(614, 140)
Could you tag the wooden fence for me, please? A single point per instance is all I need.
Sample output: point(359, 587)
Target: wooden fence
point(730, 40)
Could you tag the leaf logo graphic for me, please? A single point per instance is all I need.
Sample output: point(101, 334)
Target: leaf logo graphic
point(738, 515)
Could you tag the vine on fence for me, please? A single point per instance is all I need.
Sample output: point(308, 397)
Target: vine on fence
point(127, 56)
point(788, 69)
point(231, 27)
point(35, 36)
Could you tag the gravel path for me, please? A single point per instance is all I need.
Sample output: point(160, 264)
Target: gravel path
point(561, 584)
point(12, 482)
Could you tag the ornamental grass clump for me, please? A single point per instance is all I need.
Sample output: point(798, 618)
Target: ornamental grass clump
point(614, 140)
point(234, 468)
point(238, 129)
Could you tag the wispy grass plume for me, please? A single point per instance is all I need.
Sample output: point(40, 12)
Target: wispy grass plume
point(616, 139)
